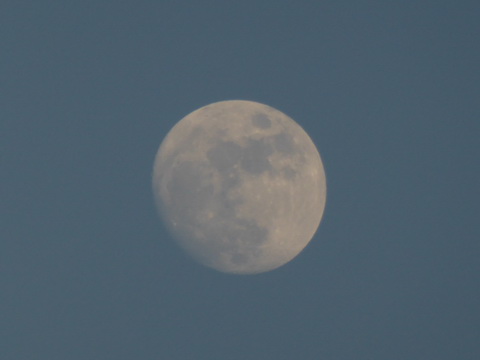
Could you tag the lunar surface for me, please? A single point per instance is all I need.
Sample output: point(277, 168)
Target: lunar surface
point(240, 186)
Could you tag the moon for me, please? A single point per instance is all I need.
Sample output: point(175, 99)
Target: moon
point(240, 186)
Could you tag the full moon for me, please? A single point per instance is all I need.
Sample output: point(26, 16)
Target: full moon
point(240, 186)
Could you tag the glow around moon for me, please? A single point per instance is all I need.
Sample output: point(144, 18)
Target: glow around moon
point(240, 185)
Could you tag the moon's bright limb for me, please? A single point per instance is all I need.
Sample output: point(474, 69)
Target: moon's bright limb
point(240, 185)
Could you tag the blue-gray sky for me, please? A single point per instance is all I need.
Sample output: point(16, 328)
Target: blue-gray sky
point(389, 92)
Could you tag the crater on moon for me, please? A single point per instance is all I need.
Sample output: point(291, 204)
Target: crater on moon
point(240, 185)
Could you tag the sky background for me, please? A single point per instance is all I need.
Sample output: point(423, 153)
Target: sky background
point(389, 92)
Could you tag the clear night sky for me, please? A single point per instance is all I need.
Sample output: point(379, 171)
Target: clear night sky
point(389, 92)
